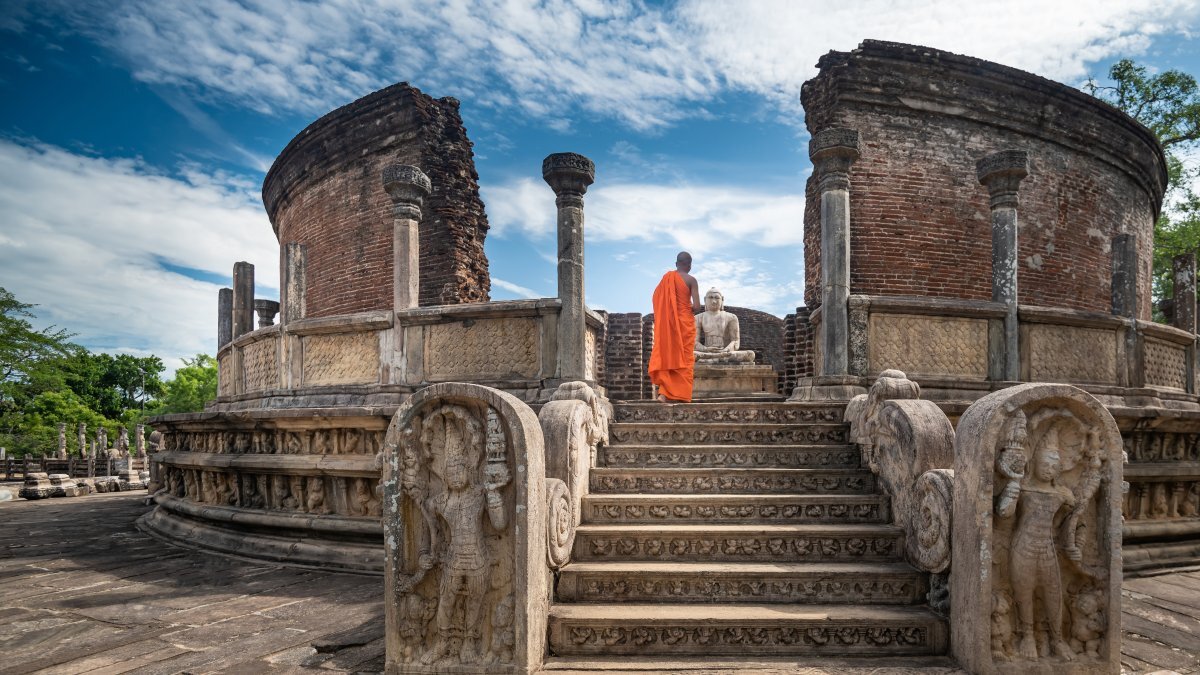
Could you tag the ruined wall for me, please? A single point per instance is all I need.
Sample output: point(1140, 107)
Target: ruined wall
point(324, 190)
point(625, 369)
point(919, 218)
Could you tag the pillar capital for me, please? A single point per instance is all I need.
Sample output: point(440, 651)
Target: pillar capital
point(832, 152)
point(1001, 173)
point(266, 310)
point(569, 175)
point(408, 187)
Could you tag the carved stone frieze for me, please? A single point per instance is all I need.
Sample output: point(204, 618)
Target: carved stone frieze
point(671, 638)
point(758, 457)
point(1036, 576)
point(729, 482)
point(485, 348)
point(791, 547)
point(761, 413)
point(225, 374)
point(260, 365)
point(1162, 499)
point(337, 441)
point(928, 345)
point(251, 491)
point(1072, 354)
point(348, 358)
point(464, 506)
point(733, 435)
point(775, 510)
point(1165, 364)
point(713, 588)
point(932, 520)
point(1159, 446)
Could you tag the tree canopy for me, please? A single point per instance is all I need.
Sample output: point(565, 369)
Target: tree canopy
point(45, 380)
point(1168, 104)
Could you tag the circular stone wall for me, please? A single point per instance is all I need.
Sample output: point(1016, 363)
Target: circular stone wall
point(325, 191)
point(920, 220)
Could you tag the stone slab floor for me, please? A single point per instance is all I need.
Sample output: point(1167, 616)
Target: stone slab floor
point(83, 591)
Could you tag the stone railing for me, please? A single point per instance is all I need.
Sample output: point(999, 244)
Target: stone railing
point(382, 356)
point(957, 349)
point(1017, 515)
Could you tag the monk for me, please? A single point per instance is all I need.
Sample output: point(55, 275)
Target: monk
point(676, 301)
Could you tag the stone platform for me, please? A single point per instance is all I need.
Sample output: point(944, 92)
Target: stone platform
point(741, 380)
point(83, 591)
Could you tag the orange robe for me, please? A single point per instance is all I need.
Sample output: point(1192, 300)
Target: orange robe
point(673, 358)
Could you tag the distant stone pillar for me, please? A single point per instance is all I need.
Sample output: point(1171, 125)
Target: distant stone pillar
point(295, 287)
point(139, 439)
point(123, 442)
point(832, 152)
point(1001, 173)
point(102, 440)
point(82, 436)
point(1124, 304)
point(62, 440)
point(408, 187)
point(224, 317)
point(1183, 268)
point(243, 298)
point(569, 175)
point(266, 310)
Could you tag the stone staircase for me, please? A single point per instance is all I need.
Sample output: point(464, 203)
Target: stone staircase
point(737, 530)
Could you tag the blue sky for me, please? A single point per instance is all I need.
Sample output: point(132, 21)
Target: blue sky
point(134, 134)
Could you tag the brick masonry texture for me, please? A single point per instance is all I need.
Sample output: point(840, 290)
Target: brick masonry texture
point(325, 191)
point(631, 337)
point(920, 220)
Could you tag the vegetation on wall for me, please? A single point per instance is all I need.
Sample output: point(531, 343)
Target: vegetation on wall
point(45, 379)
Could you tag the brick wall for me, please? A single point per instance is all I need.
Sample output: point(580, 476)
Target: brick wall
point(324, 190)
point(920, 221)
point(624, 367)
point(647, 346)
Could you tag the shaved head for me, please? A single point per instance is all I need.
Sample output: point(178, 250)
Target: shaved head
point(684, 258)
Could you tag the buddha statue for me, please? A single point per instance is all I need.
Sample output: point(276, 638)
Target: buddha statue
point(718, 335)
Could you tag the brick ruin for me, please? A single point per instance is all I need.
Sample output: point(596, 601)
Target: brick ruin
point(985, 231)
point(323, 192)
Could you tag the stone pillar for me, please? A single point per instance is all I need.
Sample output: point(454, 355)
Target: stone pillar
point(62, 440)
point(123, 442)
point(569, 175)
point(832, 152)
point(82, 436)
point(243, 298)
point(224, 317)
point(1001, 173)
point(102, 441)
point(1183, 267)
point(1124, 304)
point(140, 439)
point(266, 310)
point(295, 287)
point(292, 296)
point(408, 187)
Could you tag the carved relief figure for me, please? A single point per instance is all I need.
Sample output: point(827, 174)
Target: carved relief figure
point(295, 500)
point(718, 334)
point(316, 502)
point(1002, 628)
point(362, 498)
point(1087, 614)
point(462, 507)
point(279, 493)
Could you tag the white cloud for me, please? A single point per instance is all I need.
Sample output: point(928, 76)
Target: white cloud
point(699, 218)
point(643, 64)
point(83, 238)
point(514, 289)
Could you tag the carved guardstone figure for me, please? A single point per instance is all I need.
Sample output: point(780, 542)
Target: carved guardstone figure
point(718, 334)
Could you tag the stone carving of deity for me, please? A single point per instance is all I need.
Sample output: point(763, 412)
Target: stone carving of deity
point(718, 334)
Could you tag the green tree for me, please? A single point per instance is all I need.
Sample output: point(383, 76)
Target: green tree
point(193, 385)
point(1168, 104)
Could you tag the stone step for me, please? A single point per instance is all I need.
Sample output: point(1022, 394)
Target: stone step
point(690, 456)
point(645, 508)
point(726, 433)
point(738, 543)
point(730, 412)
point(731, 481)
point(834, 583)
point(736, 629)
point(750, 665)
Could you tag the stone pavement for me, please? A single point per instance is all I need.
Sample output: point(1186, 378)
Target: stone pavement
point(83, 591)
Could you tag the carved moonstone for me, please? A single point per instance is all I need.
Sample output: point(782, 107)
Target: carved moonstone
point(1036, 572)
